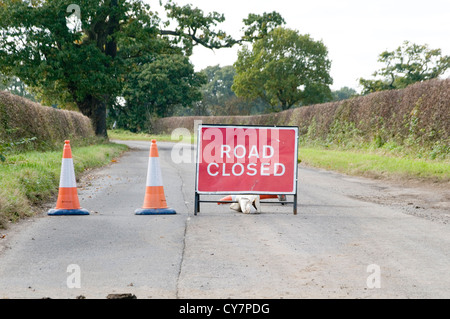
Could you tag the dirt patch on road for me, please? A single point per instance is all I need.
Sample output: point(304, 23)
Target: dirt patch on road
point(425, 199)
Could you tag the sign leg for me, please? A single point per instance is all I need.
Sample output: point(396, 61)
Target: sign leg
point(196, 204)
point(295, 204)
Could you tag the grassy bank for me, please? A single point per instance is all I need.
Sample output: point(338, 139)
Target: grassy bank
point(30, 178)
point(372, 164)
point(124, 135)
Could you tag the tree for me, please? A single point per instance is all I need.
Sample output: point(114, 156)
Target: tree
point(155, 88)
point(15, 86)
point(343, 93)
point(219, 98)
point(408, 64)
point(89, 68)
point(217, 89)
point(66, 66)
point(284, 68)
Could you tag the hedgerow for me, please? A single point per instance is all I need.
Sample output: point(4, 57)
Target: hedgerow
point(416, 119)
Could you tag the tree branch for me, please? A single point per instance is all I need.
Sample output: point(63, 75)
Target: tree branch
point(210, 45)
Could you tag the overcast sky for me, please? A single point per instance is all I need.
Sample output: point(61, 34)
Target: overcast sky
point(354, 31)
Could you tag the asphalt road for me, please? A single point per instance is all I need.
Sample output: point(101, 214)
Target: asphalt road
point(352, 238)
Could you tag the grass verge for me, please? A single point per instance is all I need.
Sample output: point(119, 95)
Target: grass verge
point(31, 178)
point(120, 134)
point(371, 164)
point(124, 135)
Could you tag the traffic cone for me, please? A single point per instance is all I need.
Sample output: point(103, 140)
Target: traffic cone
point(229, 198)
point(155, 199)
point(67, 203)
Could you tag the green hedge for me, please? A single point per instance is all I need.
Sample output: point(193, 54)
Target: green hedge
point(416, 117)
point(23, 119)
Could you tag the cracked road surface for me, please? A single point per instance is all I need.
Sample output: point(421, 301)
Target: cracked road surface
point(345, 242)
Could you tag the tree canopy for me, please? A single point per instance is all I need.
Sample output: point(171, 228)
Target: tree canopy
point(15, 86)
point(219, 98)
point(155, 89)
point(89, 66)
point(284, 68)
point(408, 64)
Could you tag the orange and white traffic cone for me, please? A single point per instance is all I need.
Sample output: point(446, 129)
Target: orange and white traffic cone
point(155, 199)
point(229, 198)
point(67, 203)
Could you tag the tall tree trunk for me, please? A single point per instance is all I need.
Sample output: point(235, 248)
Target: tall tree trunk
point(99, 119)
point(95, 109)
point(103, 35)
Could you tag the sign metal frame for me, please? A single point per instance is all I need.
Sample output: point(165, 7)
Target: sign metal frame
point(294, 193)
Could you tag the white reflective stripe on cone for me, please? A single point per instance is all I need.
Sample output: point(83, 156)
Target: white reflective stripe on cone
point(154, 177)
point(67, 178)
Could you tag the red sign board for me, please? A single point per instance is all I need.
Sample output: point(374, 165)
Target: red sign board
point(246, 160)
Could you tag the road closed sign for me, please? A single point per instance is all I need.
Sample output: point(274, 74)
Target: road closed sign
point(246, 159)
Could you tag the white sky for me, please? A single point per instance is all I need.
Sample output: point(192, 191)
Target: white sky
point(354, 31)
